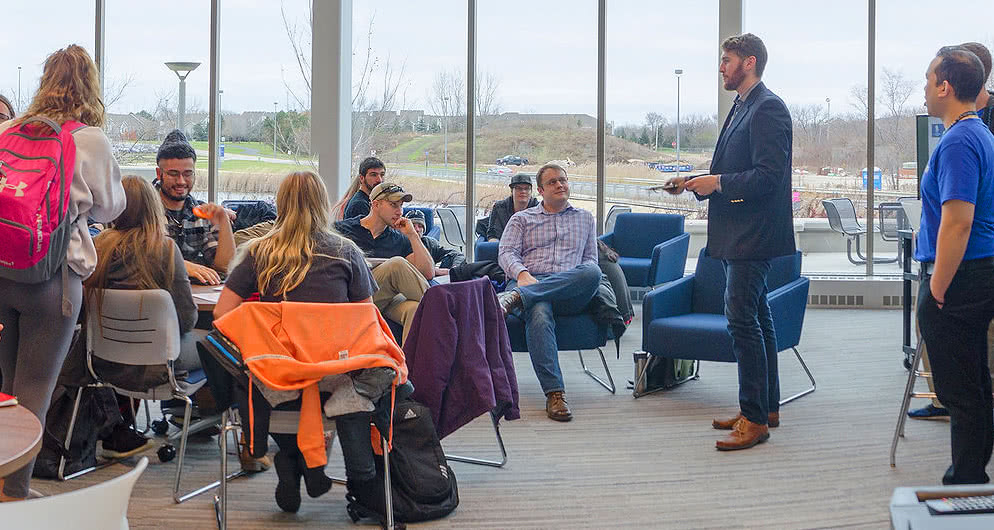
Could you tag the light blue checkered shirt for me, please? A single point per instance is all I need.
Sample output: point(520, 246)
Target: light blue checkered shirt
point(545, 243)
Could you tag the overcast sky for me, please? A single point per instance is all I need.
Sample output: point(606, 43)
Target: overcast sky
point(543, 52)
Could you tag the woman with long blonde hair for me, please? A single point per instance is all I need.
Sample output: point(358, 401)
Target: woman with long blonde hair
point(38, 327)
point(302, 260)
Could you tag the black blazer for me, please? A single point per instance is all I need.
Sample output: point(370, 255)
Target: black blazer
point(751, 217)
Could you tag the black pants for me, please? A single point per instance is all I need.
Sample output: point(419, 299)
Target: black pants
point(956, 336)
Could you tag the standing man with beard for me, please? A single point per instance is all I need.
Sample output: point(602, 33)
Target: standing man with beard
point(749, 223)
point(207, 243)
point(355, 202)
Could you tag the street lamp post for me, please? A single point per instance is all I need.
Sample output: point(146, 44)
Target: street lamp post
point(182, 70)
point(18, 89)
point(274, 128)
point(678, 73)
point(445, 133)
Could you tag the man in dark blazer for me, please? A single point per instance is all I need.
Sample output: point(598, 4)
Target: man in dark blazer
point(749, 223)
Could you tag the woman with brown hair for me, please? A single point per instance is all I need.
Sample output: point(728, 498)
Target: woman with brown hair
point(37, 331)
point(135, 253)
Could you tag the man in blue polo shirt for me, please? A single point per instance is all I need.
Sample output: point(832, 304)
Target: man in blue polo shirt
point(956, 249)
point(384, 233)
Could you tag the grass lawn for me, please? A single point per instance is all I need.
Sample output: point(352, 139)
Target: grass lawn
point(251, 166)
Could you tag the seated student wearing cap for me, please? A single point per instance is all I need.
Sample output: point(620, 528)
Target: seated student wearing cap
point(385, 233)
point(520, 198)
point(445, 258)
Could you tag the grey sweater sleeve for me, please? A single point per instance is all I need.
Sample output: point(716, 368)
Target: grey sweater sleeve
point(186, 308)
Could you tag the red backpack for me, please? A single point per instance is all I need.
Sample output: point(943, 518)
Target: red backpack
point(36, 171)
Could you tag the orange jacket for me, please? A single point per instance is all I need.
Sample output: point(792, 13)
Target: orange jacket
point(293, 345)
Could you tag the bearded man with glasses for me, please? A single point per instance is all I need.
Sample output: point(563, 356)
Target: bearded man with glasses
point(206, 242)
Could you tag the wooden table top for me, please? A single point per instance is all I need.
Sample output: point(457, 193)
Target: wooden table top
point(21, 439)
point(208, 291)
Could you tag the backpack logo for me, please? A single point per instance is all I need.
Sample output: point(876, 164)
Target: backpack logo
point(410, 414)
point(18, 188)
point(444, 470)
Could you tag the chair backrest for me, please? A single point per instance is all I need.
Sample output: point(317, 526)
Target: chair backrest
point(912, 211)
point(102, 506)
point(136, 327)
point(612, 216)
point(451, 230)
point(486, 250)
point(842, 215)
point(892, 219)
point(429, 216)
point(636, 234)
point(709, 280)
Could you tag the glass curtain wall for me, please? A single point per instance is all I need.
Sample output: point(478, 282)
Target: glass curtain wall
point(409, 100)
point(264, 96)
point(21, 65)
point(651, 51)
point(817, 65)
point(142, 93)
point(537, 96)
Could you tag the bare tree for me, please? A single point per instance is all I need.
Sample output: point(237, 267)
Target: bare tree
point(654, 121)
point(859, 99)
point(895, 91)
point(114, 88)
point(487, 97)
point(447, 94)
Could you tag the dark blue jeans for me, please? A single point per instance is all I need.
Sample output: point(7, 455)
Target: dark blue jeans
point(562, 293)
point(956, 336)
point(754, 341)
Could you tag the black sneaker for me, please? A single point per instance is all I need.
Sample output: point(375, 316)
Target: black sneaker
point(124, 442)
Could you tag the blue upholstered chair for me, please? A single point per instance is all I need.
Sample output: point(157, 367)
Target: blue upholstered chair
point(685, 319)
point(431, 228)
point(652, 247)
point(573, 332)
point(485, 250)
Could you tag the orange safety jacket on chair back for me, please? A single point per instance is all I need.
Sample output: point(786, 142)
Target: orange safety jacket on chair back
point(293, 345)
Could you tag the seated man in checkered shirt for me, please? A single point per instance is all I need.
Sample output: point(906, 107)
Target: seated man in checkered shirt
point(549, 253)
point(207, 244)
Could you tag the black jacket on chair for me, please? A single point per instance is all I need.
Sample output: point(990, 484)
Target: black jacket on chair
point(751, 217)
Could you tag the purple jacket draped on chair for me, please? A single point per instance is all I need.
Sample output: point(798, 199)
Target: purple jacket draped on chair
point(459, 355)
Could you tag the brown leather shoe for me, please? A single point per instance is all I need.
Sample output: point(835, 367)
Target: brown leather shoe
point(556, 406)
point(509, 301)
point(745, 435)
point(772, 421)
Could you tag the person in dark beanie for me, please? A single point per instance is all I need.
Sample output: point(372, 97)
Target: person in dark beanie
point(444, 258)
point(520, 198)
point(207, 243)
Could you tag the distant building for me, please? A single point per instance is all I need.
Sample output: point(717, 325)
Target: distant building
point(130, 127)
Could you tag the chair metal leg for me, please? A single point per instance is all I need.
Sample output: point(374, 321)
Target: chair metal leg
point(875, 260)
point(233, 428)
point(609, 384)
point(481, 462)
point(810, 378)
point(72, 426)
point(641, 376)
point(909, 392)
point(387, 485)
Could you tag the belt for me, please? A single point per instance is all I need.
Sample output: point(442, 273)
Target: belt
point(967, 265)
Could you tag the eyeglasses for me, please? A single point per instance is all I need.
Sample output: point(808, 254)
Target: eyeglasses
point(392, 188)
point(522, 187)
point(553, 182)
point(175, 173)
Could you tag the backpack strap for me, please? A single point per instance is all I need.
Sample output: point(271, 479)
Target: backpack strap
point(54, 126)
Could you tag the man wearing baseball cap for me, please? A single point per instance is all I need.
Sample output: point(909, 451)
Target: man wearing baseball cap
point(385, 233)
point(520, 198)
point(445, 258)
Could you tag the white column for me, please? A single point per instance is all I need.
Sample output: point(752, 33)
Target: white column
point(470, 129)
point(729, 24)
point(331, 93)
point(214, 133)
point(99, 38)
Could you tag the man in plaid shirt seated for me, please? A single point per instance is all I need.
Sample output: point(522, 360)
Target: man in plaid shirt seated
point(549, 253)
point(207, 244)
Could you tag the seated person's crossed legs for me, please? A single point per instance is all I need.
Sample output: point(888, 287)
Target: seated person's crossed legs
point(562, 293)
point(401, 287)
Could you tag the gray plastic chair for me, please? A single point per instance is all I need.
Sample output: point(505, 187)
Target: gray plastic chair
point(842, 219)
point(140, 328)
point(451, 229)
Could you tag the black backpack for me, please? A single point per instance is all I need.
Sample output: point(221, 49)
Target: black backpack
point(424, 486)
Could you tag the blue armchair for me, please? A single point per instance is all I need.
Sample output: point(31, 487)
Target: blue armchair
point(573, 332)
point(685, 319)
point(485, 250)
point(431, 229)
point(652, 247)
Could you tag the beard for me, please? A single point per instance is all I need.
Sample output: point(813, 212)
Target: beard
point(172, 197)
point(735, 79)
